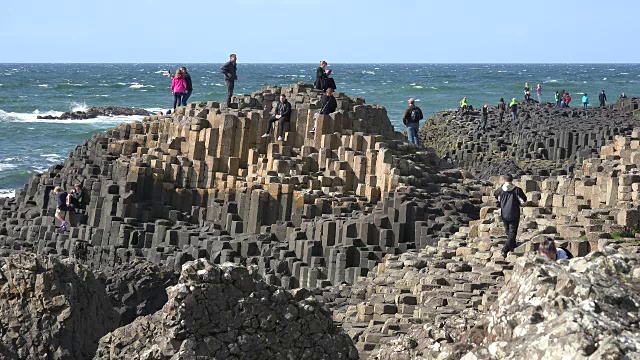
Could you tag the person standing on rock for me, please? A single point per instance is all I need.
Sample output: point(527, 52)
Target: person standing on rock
point(603, 99)
point(321, 77)
point(510, 197)
point(230, 71)
point(502, 107)
point(539, 92)
point(567, 100)
point(557, 98)
point(283, 113)
point(513, 106)
point(178, 87)
point(527, 92)
point(585, 101)
point(187, 94)
point(563, 98)
point(62, 206)
point(411, 120)
point(485, 117)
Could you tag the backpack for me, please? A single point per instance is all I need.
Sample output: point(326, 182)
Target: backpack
point(416, 114)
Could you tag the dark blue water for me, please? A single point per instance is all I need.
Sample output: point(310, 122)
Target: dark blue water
point(28, 145)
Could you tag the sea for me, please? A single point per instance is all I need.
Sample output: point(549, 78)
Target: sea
point(29, 145)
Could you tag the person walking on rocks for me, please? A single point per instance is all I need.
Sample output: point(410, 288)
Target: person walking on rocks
point(557, 98)
point(62, 206)
point(187, 93)
point(328, 106)
point(321, 77)
point(585, 101)
point(539, 92)
point(510, 197)
point(603, 99)
point(230, 71)
point(502, 107)
point(485, 117)
point(178, 87)
point(283, 113)
point(411, 120)
point(513, 106)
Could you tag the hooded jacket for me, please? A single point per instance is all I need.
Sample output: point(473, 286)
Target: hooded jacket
point(178, 84)
point(585, 99)
point(513, 105)
point(509, 198)
point(230, 71)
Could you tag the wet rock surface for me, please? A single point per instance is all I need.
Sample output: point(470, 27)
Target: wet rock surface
point(227, 312)
point(94, 112)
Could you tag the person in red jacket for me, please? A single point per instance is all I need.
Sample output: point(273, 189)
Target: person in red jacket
point(567, 99)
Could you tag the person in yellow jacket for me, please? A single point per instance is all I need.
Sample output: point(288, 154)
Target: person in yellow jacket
point(513, 105)
point(464, 105)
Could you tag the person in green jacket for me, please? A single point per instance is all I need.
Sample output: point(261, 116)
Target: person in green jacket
point(513, 105)
point(557, 97)
point(585, 101)
point(464, 105)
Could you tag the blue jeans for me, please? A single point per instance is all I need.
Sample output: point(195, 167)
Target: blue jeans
point(185, 97)
point(412, 131)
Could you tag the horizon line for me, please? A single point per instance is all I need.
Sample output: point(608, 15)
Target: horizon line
point(339, 63)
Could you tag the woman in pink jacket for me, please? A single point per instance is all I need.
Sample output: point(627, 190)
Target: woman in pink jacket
point(178, 87)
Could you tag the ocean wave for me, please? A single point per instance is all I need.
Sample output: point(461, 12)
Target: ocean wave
point(78, 107)
point(43, 85)
point(33, 118)
point(604, 79)
point(140, 86)
point(7, 193)
point(5, 166)
point(368, 72)
point(551, 81)
point(620, 74)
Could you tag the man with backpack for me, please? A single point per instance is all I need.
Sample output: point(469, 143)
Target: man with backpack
point(411, 120)
point(509, 199)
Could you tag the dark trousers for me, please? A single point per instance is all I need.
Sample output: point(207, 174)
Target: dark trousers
point(501, 115)
point(185, 97)
point(230, 84)
point(484, 123)
point(280, 121)
point(511, 228)
point(584, 105)
point(602, 104)
point(177, 99)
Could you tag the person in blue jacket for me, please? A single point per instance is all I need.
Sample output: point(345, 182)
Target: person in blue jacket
point(585, 101)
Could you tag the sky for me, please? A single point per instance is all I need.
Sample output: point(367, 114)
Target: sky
point(304, 31)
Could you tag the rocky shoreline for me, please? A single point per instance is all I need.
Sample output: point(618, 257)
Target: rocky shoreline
point(94, 112)
point(202, 239)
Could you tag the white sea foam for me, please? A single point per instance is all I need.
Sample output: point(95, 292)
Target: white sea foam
point(417, 87)
point(75, 106)
point(43, 85)
point(604, 79)
point(7, 193)
point(368, 72)
point(552, 81)
point(33, 118)
point(218, 84)
point(620, 74)
point(5, 166)
point(139, 86)
point(502, 71)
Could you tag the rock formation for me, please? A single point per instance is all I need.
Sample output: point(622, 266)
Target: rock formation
point(51, 309)
point(227, 312)
point(94, 112)
point(545, 141)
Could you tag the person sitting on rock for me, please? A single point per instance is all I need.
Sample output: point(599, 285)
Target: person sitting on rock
point(63, 206)
point(510, 197)
point(283, 113)
point(623, 96)
point(464, 106)
point(513, 106)
point(548, 248)
point(76, 198)
point(328, 106)
point(321, 77)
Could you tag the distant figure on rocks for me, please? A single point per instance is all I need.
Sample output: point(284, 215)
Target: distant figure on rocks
point(557, 98)
point(502, 107)
point(585, 101)
point(187, 94)
point(321, 76)
point(328, 106)
point(623, 96)
point(76, 197)
point(411, 120)
point(62, 206)
point(567, 100)
point(513, 106)
point(527, 92)
point(178, 87)
point(230, 71)
point(464, 105)
point(283, 113)
point(563, 98)
point(510, 197)
point(539, 92)
point(548, 248)
point(603, 99)
point(485, 117)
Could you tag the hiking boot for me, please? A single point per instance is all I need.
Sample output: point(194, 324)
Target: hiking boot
point(64, 226)
point(505, 254)
point(279, 138)
point(265, 136)
point(312, 131)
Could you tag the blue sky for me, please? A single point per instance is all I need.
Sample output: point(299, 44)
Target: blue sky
point(304, 31)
